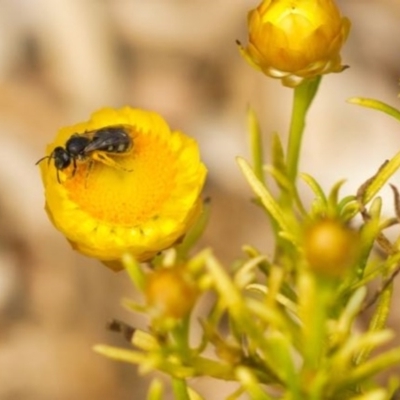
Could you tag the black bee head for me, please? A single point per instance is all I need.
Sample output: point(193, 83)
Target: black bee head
point(61, 158)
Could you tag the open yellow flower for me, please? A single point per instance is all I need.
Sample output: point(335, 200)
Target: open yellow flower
point(142, 206)
point(296, 39)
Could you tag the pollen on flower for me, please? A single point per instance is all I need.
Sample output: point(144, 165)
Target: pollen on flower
point(142, 201)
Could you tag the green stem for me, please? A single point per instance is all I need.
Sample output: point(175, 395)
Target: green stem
point(180, 390)
point(315, 296)
point(303, 97)
point(134, 271)
point(181, 337)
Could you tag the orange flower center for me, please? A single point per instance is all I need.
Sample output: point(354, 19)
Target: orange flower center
point(130, 194)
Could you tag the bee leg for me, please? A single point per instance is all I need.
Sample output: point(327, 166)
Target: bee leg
point(106, 160)
point(74, 167)
point(88, 169)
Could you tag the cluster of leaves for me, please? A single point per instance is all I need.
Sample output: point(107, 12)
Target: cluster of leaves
point(282, 327)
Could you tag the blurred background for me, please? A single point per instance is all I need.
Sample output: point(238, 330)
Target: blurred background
point(62, 60)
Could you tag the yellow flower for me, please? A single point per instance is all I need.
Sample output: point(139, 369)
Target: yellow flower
point(296, 39)
point(140, 201)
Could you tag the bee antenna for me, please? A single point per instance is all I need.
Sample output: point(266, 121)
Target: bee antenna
point(43, 158)
point(39, 161)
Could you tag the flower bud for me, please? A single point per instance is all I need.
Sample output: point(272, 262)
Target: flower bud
point(170, 293)
point(330, 247)
point(296, 39)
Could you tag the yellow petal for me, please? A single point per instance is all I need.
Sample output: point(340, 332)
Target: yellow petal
point(143, 205)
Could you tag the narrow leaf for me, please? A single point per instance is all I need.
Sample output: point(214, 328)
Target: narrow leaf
point(265, 196)
point(256, 144)
point(376, 105)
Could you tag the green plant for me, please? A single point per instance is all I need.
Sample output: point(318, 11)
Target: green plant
point(281, 326)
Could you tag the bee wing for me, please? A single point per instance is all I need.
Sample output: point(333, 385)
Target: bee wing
point(109, 139)
point(100, 143)
point(88, 134)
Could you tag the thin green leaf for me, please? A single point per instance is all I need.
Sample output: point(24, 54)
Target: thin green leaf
point(279, 177)
point(374, 394)
point(348, 207)
point(256, 144)
point(283, 182)
point(376, 105)
point(370, 369)
point(368, 233)
point(265, 196)
point(321, 199)
point(344, 357)
point(333, 198)
point(351, 311)
point(282, 353)
point(156, 390)
point(373, 185)
point(278, 155)
point(378, 320)
point(250, 383)
point(194, 395)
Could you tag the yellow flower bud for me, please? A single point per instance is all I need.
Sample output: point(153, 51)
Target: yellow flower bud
point(170, 292)
point(296, 39)
point(330, 247)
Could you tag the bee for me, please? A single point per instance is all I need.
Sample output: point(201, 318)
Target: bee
point(94, 145)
